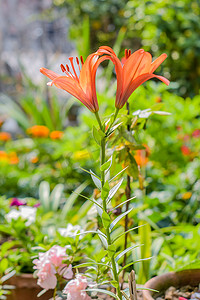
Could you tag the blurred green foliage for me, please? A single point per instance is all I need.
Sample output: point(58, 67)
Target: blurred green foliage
point(161, 26)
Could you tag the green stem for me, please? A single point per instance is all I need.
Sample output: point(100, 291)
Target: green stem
point(98, 120)
point(113, 263)
point(54, 293)
point(114, 118)
point(103, 158)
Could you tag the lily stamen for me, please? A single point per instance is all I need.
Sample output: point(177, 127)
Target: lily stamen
point(72, 64)
point(77, 61)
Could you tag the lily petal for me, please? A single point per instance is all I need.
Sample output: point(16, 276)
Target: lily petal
point(50, 74)
point(156, 63)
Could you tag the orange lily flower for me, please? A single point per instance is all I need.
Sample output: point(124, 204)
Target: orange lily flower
point(83, 86)
point(135, 70)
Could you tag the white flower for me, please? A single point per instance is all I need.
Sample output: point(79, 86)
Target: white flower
point(13, 214)
point(70, 231)
point(25, 212)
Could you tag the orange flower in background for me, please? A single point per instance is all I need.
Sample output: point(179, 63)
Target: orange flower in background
point(34, 160)
point(141, 157)
point(1, 122)
point(4, 156)
point(38, 131)
point(83, 86)
point(135, 70)
point(5, 136)
point(13, 158)
point(56, 135)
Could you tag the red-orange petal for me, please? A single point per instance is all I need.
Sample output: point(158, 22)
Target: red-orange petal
point(50, 74)
point(157, 62)
point(72, 87)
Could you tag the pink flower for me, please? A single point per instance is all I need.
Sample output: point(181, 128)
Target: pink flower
point(65, 271)
point(46, 277)
point(196, 133)
point(49, 264)
point(17, 202)
point(56, 255)
point(75, 289)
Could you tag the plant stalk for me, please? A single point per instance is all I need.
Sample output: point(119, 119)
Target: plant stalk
point(54, 293)
point(113, 263)
point(128, 196)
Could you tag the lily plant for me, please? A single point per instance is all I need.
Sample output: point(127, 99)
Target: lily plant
point(79, 81)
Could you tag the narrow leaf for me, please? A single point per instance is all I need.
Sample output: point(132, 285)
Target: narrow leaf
point(146, 289)
point(125, 232)
point(125, 251)
point(56, 196)
point(115, 221)
point(104, 292)
point(114, 190)
point(105, 219)
point(72, 198)
point(134, 262)
point(105, 166)
point(92, 263)
point(118, 174)
point(123, 203)
point(102, 238)
point(105, 191)
point(96, 136)
point(44, 192)
point(96, 180)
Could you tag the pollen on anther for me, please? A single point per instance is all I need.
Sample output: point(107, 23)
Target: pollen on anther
point(126, 53)
point(81, 58)
point(67, 67)
point(63, 68)
point(129, 52)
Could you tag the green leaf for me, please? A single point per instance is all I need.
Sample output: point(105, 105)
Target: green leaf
point(133, 262)
point(105, 166)
point(104, 292)
point(116, 220)
point(72, 198)
point(96, 180)
point(118, 174)
point(125, 232)
point(144, 233)
point(44, 192)
point(162, 113)
point(87, 264)
point(102, 238)
point(125, 251)
point(105, 191)
point(126, 294)
point(105, 219)
point(123, 203)
point(111, 250)
point(7, 276)
point(42, 292)
point(114, 190)
point(56, 196)
point(139, 288)
point(96, 135)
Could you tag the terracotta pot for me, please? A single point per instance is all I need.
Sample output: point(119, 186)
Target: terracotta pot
point(26, 288)
point(177, 279)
